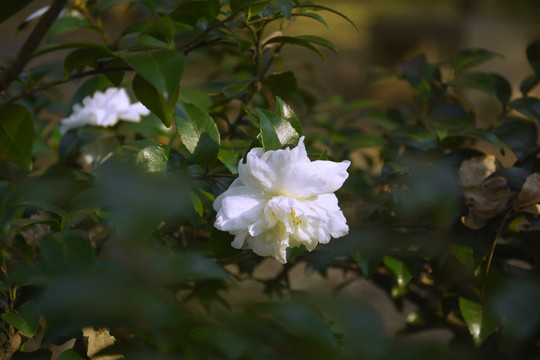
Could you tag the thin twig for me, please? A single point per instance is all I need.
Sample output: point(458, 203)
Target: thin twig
point(62, 81)
point(25, 53)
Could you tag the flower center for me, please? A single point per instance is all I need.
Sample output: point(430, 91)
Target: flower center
point(296, 220)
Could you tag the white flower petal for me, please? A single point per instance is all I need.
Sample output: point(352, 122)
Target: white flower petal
point(282, 199)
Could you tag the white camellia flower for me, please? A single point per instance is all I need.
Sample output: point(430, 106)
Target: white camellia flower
point(104, 109)
point(282, 199)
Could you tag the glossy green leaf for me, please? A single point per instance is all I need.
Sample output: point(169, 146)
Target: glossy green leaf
point(16, 135)
point(150, 97)
point(471, 57)
point(492, 84)
point(451, 116)
point(25, 319)
point(321, 7)
point(162, 29)
point(295, 41)
point(464, 254)
point(161, 68)
point(480, 323)
point(287, 113)
point(400, 271)
point(285, 7)
point(533, 55)
point(10, 8)
point(276, 131)
point(528, 106)
point(151, 156)
point(199, 134)
point(48, 207)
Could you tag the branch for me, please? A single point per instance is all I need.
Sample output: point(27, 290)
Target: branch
point(62, 81)
point(25, 53)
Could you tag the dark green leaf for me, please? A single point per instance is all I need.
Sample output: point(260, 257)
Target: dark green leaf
point(9, 8)
point(161, 29)
point(90, 56)
point(220, 243)
point(319, 40)
point(480, 323)
point(515, 176)
point(25, 319)
point(533, 55)
point(528, 84)
point(285, 7)
point(16, 135)
point(321, 7)
point(281, 84)
point(471, 57)
point(238, 5)
point(314, 16)
point(199, 134)
point(528, 106)
point(192, 11)
point(480, 134)
point(48, 207)
point(147, 94)
point(89, 87)
point(69, 355)
point(65, 24)
point(520, 135)
point(161, 68)
point(195, 267)
point(276, 131)
point(492, 84)
point(295, 41)
point(422, 76)
point(450, 116)
point(414, 136)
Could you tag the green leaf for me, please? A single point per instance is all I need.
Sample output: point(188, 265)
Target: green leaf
point(533, 55)
point(162, 29)
point(295, 41)
point(90, 56)
point(220, 244)
point(281, 84)
point(480, 323)
point(480, 134)
point(520, 135)
point(25, 319)
point(321, 7)
point(238, 5)
point(450, 116)
point(422, 75)
point(471, 57)
point(199, 134)
point(150, 97)
point(65, 24)
point(16, 135)
point(528, 84)
point(528, 106)
point(400, 271)
point(151, 156)
point(48, 207)
point(414, 136)
point(287, 113)
point(313, 16)
point(276, 131)
point(162, 68)
point(10, 8)
point(464, 254)
point(319, 40)
point(69, 355)
point(492, 84)
point(193, 11)
point(195, 267)
point(285, 7)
